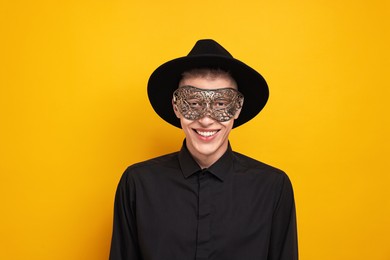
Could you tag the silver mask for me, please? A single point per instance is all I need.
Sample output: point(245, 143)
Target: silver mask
point(219, 104)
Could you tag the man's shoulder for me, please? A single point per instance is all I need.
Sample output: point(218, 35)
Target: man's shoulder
point(249, 164)
point(154, 164)
point(160, 161)
point(149, 171)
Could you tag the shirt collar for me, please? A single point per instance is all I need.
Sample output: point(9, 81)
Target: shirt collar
point(221, 168)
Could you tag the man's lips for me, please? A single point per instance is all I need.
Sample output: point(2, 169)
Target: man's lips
point(206, 133)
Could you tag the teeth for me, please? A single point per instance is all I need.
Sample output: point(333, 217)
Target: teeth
point(207, 134)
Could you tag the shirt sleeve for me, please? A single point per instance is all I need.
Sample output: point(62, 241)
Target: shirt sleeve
point(284, 242)
point(124, 243)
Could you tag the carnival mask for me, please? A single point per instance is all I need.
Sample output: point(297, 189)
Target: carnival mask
point(219, 104)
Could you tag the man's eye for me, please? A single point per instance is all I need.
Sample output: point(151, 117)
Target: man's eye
point(194, 103)
point(221, 103)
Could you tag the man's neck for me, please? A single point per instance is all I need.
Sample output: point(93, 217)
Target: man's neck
point(206, 160)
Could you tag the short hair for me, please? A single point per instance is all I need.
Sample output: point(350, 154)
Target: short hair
point(209, 73)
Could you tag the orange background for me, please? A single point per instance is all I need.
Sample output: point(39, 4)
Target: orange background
point(74, 113)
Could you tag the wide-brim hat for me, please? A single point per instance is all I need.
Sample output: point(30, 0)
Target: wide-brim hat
point(207, 54)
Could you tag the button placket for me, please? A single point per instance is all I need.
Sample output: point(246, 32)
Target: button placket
point(204, 218)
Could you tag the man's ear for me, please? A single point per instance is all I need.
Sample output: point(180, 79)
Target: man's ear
point(177, 113)
point(237, 113)
point(239, 110)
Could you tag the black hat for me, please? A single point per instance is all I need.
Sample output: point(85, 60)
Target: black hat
point(207, 54)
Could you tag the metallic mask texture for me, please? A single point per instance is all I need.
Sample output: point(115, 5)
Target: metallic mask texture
point(219, 104)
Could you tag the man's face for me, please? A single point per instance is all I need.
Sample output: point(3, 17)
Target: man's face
point(206, 137)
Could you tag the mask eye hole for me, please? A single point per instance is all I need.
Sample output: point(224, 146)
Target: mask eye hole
point(221, 104)
point(194, 103)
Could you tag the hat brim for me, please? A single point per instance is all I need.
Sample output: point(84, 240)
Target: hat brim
point(165, 80)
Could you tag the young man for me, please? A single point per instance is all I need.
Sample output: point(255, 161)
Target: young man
point(205, 201)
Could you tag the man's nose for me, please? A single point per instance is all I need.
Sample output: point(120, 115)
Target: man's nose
point(206, 118)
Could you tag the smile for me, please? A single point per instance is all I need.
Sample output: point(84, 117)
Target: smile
point(206, 133)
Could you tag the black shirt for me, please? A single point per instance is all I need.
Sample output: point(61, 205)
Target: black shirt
point(168, 208)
